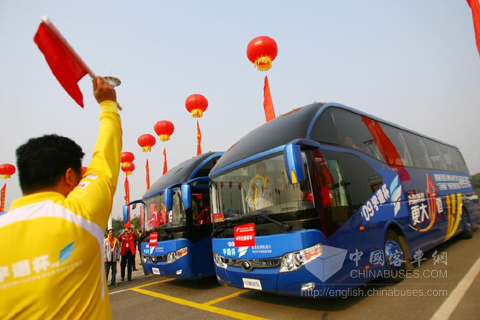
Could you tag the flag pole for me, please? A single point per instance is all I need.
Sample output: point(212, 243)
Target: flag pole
point(50, 26)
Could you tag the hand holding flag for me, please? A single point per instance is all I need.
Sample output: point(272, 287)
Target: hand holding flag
point(65, 63)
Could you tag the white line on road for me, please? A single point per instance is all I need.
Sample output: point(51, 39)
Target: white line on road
point(449, 305)
point(118, 291)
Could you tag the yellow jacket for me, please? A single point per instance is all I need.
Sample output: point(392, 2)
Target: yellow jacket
point(52, 247)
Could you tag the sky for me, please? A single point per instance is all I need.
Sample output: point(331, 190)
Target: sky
point(410, 62)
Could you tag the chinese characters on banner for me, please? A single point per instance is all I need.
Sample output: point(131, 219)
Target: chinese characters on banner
point(244, 235)
point(153, 239)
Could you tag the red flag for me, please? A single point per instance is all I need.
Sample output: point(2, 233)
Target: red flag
point(475, 6)
point(127, 190)
point(148, 175)
point(2, 198)
point(64, 62)
point(127, 200)
point(164, 160)
point(199, 140)
point(267, 102)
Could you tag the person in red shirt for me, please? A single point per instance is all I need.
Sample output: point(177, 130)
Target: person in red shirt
point(127, 238)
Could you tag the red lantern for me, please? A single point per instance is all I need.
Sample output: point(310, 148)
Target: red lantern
point(196, 104)
point(261, 51)
point(127, 157)
point(146, 141)
point(6, 170)
point(128, 168)
point(164, 129)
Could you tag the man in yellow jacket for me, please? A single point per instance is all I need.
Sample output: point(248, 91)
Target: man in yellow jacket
point(52, 239)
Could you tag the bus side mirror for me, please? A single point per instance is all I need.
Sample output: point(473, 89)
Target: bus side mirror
point(126, 213)
point(294, 163)
point(168, 199)
point(186, 196)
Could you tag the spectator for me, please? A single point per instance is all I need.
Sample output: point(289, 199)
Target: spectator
point(112, 255)
point(127, 252)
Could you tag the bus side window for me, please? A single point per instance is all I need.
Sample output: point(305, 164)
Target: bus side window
point(457, 156)
point(433, 149)
point(325, 130)
point(447, 153)
point(418, 150)
point(351, 127)
point(397, 139)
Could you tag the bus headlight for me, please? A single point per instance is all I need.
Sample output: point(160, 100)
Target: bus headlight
point(175, 255)
point(293, 261)
point(218, 261)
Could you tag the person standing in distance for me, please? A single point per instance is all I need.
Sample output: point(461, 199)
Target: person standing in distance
point(112, 255)
point(60, 273)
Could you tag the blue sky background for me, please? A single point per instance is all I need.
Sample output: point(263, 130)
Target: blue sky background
point(410, 62)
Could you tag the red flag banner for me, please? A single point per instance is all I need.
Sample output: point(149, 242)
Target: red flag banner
point(148, 175)
point(475, 6)
point(165, 160)
point(127, 200)
point(64, 62)
point(199, 140)
point(2, 198)
point(267, 102)
point(127, 190)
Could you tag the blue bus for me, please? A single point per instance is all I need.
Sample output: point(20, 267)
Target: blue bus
point(176, 223)
point(327, 196)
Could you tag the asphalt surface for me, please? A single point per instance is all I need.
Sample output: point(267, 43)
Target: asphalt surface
point(447, 288)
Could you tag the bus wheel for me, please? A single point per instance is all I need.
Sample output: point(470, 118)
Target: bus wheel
point(397, 259)
point(467, 223)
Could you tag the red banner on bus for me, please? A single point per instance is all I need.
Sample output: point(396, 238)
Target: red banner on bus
point(244, 235)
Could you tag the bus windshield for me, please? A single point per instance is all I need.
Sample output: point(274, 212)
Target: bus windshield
point(156, 215)
point(261, 187)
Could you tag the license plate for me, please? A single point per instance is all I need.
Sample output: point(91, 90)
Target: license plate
point(252, 284)
point(156, 271)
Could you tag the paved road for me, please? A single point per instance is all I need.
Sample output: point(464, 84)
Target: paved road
point(450, 289)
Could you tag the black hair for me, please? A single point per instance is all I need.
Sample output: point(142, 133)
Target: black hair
point(42, 161)
point(109, 230)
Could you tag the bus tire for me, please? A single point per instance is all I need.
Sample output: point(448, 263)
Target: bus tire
point(397, 258)
point(467, 224)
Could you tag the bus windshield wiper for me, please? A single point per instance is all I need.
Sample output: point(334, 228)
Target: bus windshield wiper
point(220, 229)
point(285, 225)
point(167, 235)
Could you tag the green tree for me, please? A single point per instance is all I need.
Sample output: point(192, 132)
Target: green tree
point(118, 225)
point(476, 183)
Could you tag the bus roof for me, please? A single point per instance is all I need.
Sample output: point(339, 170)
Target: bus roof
point(295, 124)
point(179, 174)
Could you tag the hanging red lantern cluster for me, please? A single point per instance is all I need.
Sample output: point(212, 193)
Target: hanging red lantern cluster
point(128, 168)
point(126, 159)
point(196, 104)
point(7, 170)
point(164, 129)
point(261, 51)
point(146, 141)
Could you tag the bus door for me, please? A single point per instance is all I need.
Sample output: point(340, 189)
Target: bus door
point(200, 212)
point(346, 183)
